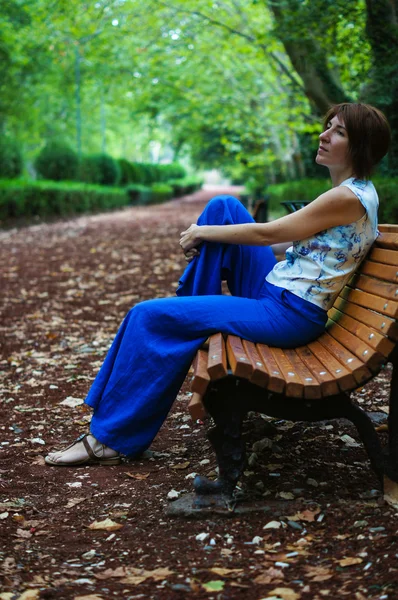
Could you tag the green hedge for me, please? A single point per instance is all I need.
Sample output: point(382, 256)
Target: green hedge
point(309, 189)
point(11, 160)
point(20, 198)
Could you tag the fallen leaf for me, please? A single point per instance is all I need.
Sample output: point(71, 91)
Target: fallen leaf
point(39, 460)
point(108, 573)
point(183, 465)
point(21, 533)
point(226, 572)
point(107, 525)
point(350, 560)
point(137, 576)
point(71, 402)
point(89, 597)
point(268, 576)
point(318, 573)
point(391, 492)
point(214, 586)
point(74, 501)
point(286, 495)
point(286, 593)
point(273, 525)
point(29, 595)
point(138, 475)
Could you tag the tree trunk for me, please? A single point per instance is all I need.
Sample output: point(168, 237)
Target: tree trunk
point(382, 30)
point(309, 60)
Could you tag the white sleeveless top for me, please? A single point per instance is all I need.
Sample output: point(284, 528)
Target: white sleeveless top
point(318, 267)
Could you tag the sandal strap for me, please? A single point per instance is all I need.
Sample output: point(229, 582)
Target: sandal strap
point(88, 448)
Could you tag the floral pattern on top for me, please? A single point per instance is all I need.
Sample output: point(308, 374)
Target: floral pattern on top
point(318, 267)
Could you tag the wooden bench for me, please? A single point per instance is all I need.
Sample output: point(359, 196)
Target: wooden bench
point(312, 382)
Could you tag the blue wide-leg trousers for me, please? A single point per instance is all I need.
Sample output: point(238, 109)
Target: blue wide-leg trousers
point(156, 343)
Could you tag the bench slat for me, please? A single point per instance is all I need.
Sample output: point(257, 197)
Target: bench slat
point(387, 239)
point(260, 375)
point(373, 360)
point(201, 377)
point(368, 335)
point(388, 257)
point(294, 386)
point(276, 381)
point(240, 364)
point(388, 227)
point(345, 357)
point(327, 382)
point(374, 286)
point(370, 301)
point(217, 357)
point(380, 271)
point(381, 323)
point(312, 388)
point(343, 376)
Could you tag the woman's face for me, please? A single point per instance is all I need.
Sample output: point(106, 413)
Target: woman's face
point(333, 145)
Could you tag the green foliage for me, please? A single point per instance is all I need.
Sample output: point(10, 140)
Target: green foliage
point(57, 161)
point(107, 168)
point(11, 162)
point(309, 189)
point(184, 186)
point(171, 171)
point(89, 170)
point(19, 198)
point(161, 192)
point(126, 172)
point(139, 194)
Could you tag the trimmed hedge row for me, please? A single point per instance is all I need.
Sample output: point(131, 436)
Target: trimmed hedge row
point(24, 199)
point(308, 189)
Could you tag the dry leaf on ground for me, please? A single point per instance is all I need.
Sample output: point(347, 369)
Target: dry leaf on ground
point(138, 475)
point(350, 560)
point(285, 593)
point(137, 576)
point(226, 572)
point(106, 525)
point(268, 576)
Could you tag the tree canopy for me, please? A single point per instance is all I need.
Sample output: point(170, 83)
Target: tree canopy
point(231, 82)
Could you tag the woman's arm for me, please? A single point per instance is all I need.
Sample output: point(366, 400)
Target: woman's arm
point(338, 206)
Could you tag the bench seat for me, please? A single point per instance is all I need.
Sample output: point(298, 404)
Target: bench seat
point(360, 338)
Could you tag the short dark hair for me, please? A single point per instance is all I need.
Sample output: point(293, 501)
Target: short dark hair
point(369, 134)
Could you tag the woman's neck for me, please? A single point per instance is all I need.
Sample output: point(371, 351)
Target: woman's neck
point(340, 175)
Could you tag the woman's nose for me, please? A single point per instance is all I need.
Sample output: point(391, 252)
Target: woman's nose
point(324, 134)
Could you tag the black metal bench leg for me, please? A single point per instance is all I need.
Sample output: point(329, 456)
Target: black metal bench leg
point(222, 403)
point(368, 435)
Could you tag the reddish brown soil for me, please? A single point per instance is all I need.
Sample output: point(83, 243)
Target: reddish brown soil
point(65, 288)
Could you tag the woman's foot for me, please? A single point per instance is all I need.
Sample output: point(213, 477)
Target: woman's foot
point(86, 450)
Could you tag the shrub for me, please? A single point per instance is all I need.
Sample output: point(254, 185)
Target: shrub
point(139, 194)
point(309, 189)
point(57, 162)
point(89, 170)
point(11, 162)
point(126, 172)
point(19, 198)
point(108, 169)
point(161, 192)
point(187, 185)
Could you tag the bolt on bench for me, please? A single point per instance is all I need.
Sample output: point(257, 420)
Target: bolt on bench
point(308, 383)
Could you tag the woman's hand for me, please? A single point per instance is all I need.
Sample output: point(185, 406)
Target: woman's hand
point(190, 254)
point(190, 238)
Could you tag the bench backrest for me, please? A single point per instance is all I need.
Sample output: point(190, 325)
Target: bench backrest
point(360, 336)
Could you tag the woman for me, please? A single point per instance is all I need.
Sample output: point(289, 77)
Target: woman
point(283, 304)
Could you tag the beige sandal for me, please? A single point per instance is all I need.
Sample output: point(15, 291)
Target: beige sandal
point(91, 457)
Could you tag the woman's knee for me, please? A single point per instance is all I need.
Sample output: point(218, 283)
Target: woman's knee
point(220, 210)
